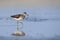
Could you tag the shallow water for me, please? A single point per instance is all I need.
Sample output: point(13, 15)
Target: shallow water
point(43, 30)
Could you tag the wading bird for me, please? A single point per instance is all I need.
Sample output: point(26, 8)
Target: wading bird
point(19, 17)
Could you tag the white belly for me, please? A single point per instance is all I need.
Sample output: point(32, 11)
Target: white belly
point(18, 18)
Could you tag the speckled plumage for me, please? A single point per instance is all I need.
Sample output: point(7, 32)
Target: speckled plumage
point(19, 16)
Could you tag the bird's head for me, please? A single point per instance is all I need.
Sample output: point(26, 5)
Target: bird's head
point(25, 13)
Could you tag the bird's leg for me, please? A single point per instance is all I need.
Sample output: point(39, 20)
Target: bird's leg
point(17, 25)
point(21, 24)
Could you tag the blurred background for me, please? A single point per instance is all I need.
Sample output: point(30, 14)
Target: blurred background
point(39, 9)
